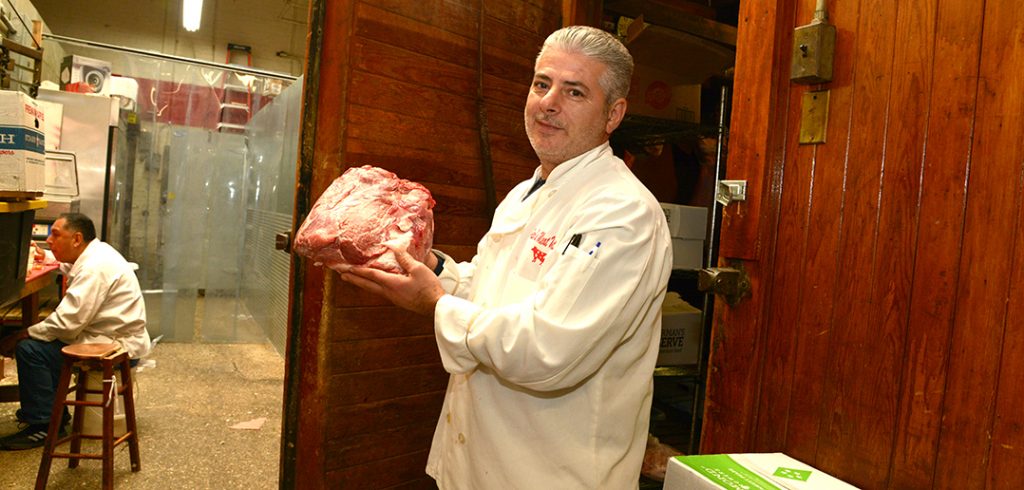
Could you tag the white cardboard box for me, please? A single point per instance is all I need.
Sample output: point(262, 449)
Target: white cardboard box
point(654, 93)
point(752, 471)
point(688, 227)
point(680, 332)
point(89, 71)
point(53, 122)
point(22, 144)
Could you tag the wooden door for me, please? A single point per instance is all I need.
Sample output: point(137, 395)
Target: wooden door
point(414, 87)
point(882, 342)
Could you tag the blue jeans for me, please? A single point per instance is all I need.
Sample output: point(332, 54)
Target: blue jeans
point(39, 366)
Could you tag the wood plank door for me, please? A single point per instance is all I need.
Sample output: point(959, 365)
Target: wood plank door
point(406, 86)
point(882, 342)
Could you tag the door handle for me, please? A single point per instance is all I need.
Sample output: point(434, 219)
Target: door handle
point(731, 283)
point(283, 241)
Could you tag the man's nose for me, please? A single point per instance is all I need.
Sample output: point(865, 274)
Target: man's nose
point(550, 101)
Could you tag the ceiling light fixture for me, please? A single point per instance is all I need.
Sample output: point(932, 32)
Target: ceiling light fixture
point(191, 14)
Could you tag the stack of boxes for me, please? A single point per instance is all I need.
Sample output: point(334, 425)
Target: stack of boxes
point(22, 175)
point(681, 325)
point(22, 145)
point(688, 227)
point(681, 329)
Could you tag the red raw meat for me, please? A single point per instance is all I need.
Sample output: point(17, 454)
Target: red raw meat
point(656, 458)
point(362, 210)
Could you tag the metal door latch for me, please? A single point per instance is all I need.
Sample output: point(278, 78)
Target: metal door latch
point(731, 191)
point(732, 284)
point(283, 241)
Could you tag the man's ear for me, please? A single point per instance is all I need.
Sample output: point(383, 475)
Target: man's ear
point(615, 114)
point(77, 239)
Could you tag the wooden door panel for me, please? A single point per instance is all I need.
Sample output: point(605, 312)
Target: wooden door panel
point(821, 272)
point(344, 421)
point(423, 39)
point(882, 341)
point(370, 355)
point(371, 90)
point(389, 383)
point(936, 270)
point(397, 470)
point(993, 209)
point(756, 138)
point(365, 448)
point(381, 59)
point(455, 17)
point(1006, 461)
point(859, 409)
point(807, 253)
point(427, 166)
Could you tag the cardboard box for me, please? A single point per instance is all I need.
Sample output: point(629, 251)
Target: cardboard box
point(685, 57)
point(670, 66)
point(53, 122)
point(681, 332)
point(688, 227)
point(79, 71)
point(752, 471)
point(655, 93)
point(22, 144)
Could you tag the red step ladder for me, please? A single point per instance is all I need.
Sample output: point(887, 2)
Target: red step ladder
point(236, 92)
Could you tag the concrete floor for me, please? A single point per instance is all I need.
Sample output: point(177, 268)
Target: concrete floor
point(186, 407)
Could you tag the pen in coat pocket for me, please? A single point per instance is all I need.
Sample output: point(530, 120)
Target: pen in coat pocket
point(594, 251)
point(574, 241)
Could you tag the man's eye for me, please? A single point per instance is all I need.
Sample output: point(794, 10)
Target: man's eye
point(575, 93)
point(540, 85)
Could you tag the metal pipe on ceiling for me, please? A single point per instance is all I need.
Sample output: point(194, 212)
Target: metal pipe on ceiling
point(170, 57)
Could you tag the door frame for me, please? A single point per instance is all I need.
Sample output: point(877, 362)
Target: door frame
point(756, 153)
point(302, 418)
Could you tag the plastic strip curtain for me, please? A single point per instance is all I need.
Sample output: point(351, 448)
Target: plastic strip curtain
point(198, 199)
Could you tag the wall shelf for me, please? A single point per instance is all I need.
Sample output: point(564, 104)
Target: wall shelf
point(645, 131)
point(20, 206)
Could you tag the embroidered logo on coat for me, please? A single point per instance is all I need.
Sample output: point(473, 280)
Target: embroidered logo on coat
point(538, 255)
point(543, 239)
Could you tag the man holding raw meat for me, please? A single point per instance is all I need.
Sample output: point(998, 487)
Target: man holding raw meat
point(551, 332)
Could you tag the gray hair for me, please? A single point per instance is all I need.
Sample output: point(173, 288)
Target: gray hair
point(602, 46)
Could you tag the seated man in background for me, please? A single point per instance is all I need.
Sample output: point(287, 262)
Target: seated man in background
point(102, 304)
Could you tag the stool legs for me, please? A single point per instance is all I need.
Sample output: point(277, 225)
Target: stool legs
point(110, 390)
point(78, 418)
point(129, 414)
point(54, 431)
point(109, 393)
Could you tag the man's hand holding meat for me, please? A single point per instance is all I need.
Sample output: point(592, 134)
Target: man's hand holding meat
point(417, 290)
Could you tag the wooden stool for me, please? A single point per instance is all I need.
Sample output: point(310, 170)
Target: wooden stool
point(92, 356)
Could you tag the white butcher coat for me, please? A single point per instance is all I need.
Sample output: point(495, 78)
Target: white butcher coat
point(552, 347)
point(102, 304)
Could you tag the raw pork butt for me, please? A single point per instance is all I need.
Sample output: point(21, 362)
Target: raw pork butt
point(361, 210)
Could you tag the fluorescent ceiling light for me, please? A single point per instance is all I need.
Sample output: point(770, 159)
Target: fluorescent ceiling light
point(191, 14)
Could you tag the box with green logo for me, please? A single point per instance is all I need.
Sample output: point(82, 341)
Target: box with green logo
point(754, 471)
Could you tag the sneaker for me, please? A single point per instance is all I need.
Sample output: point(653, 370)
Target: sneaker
point(32, 436)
